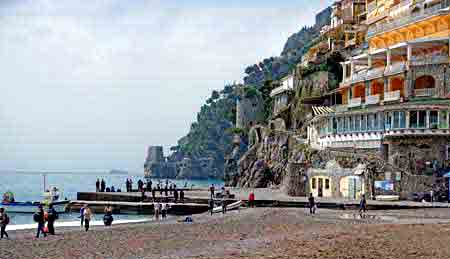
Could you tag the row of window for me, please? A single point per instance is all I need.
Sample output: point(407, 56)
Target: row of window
point(389, 120)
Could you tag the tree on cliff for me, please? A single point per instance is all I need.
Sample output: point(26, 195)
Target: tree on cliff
point(209, 135)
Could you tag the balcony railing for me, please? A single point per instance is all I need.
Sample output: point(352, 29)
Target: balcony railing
point(411, 18)
point(359, 76)
point(340, 108)
point(373, 99)
point(426, 92)
point(375, 73)
point(392, 96)
point(395, 68)
point(421, 61)
point(355, 102)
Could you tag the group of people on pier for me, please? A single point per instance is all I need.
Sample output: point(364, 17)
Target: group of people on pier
point(100, 186)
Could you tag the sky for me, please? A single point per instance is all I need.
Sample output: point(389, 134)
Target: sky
point(90, 84)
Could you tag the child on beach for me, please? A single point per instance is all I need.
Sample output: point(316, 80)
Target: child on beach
point(87, 217)
point(39, 218)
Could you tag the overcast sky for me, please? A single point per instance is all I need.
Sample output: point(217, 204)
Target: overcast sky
point(90, 84)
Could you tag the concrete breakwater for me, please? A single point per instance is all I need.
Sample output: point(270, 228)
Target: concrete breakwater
point(198, 201)
point(137, 207)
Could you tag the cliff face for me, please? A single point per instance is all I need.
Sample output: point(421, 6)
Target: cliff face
point(212, 134)
point(265, 162)
point(275, 68)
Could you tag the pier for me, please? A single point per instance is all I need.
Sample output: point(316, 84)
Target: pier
point(197, 201)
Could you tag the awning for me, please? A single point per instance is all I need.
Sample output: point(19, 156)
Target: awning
point(321, 110)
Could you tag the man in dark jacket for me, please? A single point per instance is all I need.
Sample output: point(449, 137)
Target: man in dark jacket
point(97, 185)
point(312, 204)
point(102, 186)
point(52, 217)
point(39, 218)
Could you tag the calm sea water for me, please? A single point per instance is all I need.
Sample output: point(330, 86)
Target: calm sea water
point(30, 187)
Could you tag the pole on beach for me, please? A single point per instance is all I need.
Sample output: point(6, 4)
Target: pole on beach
point(45, 181)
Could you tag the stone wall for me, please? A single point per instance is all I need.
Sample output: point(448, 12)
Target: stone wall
point(414, 183)
point(418, 155)
point(313, 85)
point(249, 110)
point(295, 183)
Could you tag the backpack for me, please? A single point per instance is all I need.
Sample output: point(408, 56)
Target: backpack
point(6, 219)
point(36, 217)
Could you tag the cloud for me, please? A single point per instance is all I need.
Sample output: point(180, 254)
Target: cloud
point(89, 84)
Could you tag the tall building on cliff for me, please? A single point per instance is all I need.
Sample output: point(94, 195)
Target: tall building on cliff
point(393, 101)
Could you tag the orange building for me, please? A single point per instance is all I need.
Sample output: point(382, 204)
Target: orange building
point(395, 97)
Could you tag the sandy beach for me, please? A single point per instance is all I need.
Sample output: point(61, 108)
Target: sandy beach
point(252, 233)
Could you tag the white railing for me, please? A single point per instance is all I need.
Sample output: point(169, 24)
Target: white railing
point(395, 68)
point(355, 102)
point(392, 96)
point(410, 18)
point(340, 108)
point(359, 76)
point(375, 73)
point(426, 92)
point(421, 61)
point(373, 99)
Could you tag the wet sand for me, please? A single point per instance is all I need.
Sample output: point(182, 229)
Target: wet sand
point(252, 233)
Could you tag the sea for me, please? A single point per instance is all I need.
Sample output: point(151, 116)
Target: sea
point(30, 187)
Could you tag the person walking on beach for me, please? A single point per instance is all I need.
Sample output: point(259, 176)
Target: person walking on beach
point(102, 186)
point(362, 205)
point(82, 216)
point(211, 190)
point(4, 221)
point(87, 217)
point(181, 196)
point(97, 185)
point(251, 200)
point(156, 209)
point(127, 185)
point(166, 191)
point(211, 205)
point(52, 216)
point(312, 204)
point(39, 218)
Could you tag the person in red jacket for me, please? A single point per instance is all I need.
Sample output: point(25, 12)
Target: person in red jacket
point(251, 200)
